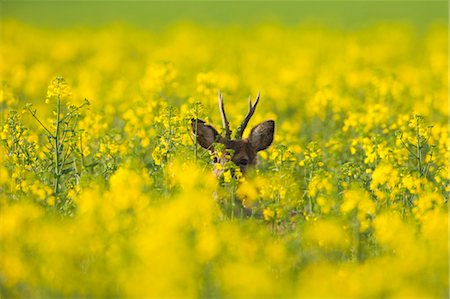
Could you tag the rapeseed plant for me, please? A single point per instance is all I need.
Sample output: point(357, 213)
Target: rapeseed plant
point(118, 201)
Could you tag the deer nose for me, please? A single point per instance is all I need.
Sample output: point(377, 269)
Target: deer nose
point(243, 168)
point(242, 164)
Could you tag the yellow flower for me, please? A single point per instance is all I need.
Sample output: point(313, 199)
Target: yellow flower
point(227, 176)
point(384, 174)
point(324, 204)
point(247, 192)
point(268, 214)
point(326, 234)
point(58, 88)
point(359, 199)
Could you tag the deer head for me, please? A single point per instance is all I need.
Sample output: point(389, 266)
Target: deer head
point(244, 151)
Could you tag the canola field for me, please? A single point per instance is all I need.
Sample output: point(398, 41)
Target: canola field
point(105, 194)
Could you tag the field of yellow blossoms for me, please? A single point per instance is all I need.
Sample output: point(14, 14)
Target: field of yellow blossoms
point(103, 192)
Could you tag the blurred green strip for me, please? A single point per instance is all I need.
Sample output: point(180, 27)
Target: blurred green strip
point(158, 14)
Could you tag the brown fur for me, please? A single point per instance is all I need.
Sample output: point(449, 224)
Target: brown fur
point(244, 150)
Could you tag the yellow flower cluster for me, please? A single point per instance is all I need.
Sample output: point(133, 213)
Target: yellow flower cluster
point(350, 200)
point(359, 200)
point(58, 88)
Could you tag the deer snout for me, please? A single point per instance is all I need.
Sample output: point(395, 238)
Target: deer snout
point(242, 164)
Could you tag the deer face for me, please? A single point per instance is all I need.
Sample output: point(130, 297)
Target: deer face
point(244, 151)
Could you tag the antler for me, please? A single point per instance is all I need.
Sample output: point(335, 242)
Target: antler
point(251, 110)
point(226, 124)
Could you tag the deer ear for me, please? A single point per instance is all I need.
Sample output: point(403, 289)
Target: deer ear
point(261, 136)
point(206, 135)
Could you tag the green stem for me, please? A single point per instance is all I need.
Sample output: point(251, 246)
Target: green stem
point(67, 153)
point(419, 149)
point(57, 146)
point(273, 224)
point(61, 141)
point(42, 125)
point(407, 147)
point(280, 168)
point(69, 115)
point(81, 151)
point(13, 143)
point(233, 198)
point(170, 133)
point(196, 134)
point(310, 205)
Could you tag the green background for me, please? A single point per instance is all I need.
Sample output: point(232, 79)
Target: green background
point(158, 14)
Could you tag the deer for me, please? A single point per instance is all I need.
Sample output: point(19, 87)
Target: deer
point(243, 150)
